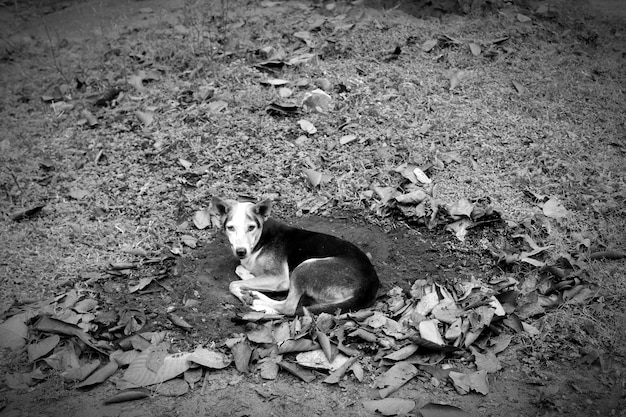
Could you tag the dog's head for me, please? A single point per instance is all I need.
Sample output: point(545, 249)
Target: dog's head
point(242, 222)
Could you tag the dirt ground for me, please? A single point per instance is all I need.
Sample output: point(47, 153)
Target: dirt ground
point(537, 378)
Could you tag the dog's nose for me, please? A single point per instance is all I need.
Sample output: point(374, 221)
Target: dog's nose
point(241, 252)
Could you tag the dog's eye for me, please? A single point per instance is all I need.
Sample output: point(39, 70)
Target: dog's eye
point(230, 228)
point(251, 228)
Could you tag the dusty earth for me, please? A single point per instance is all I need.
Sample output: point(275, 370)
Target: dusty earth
point(534, 381)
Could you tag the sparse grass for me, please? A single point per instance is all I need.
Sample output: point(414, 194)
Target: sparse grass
point(562, 137)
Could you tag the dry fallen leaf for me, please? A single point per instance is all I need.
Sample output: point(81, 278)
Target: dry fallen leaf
point(455, 79)
point(136, 80)
point(329, 349)
point(19, 381)
point(351, 364)
point(553, 208)
point(241, 354)
point(365, 335)
point(442, 410)
point(140, 285)
point(298, 345)
point(217, 106)
point(13, 332)
point(129, 394)
point(186, 164)
point(91, 119)
point(519, 87)
point(261, 333)
point(276, 82)
point(300, 59)
point(85, 305)
point(307, 126)
point(413, 197)
point(202, 219)
point(189, 241)
point(428, 45)
point(344, 140)
point(209, 358)
point(421, 176)
point(428, 330)
point(43, 347)
point(317, 359)
point(23, 214)
point(285, 92)
point(455, 330)
point(135, 251)
point(316, 178)
point(609, 255)
point(145, 117)
point(268, 367)
point(500, 343)
point(395, 377)
point(304, 35)
point(403, 353)
point(317, 100)
point(296, 370)
point(82, 372)
point(462, 208)
point(78, 194)
point(51, 325)
point(487, 361)
point(155, 366)
point(179, 321)
point(475, 49)
point(476, 381)
point(277, 108)
point(100, 375)
point(389, 406)
point(459, 228)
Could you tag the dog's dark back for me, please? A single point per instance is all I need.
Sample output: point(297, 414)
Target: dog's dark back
point(300, 244)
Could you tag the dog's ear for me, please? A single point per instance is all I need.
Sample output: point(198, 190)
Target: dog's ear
point(220, 207)
point(263, 208)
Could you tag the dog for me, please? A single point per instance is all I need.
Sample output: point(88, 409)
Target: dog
point(320, 272)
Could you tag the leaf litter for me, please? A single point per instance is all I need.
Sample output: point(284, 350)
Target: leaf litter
point(399, 195)
point(406, 334)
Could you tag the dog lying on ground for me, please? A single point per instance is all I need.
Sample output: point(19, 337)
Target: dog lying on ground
point(320, 272)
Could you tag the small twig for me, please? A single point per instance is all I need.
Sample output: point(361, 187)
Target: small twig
point(224, 12)
point(124, 69)
point(17, 184)
point(204, 383)
point(55, 58)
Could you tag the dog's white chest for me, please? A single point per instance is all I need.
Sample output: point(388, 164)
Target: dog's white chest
point(251, 262)
point(265, 262)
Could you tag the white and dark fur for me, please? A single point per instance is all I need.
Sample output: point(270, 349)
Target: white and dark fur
point(320, 272)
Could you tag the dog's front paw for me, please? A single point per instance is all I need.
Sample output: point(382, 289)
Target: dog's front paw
point(236, 289)
point(258, 305)
point(243, 273)
point(247, 297)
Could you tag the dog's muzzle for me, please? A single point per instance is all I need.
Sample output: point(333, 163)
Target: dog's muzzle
point(241, 252)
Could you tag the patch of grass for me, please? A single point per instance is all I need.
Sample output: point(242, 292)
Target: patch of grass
point(562, 136)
